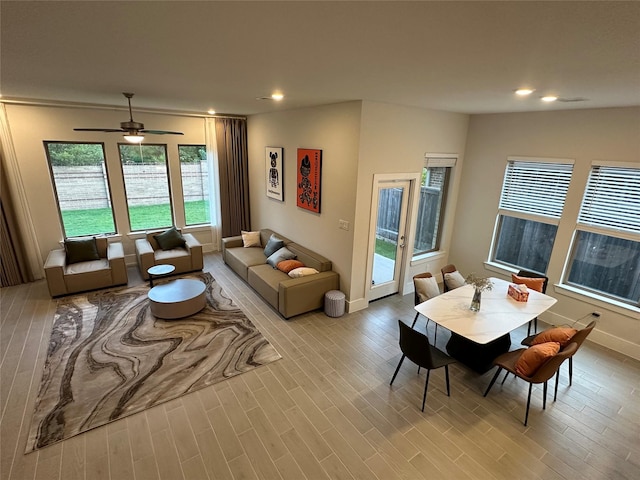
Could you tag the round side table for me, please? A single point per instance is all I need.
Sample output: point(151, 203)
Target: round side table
point(159, 271)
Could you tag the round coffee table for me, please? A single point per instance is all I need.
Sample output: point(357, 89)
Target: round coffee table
point(159, 271)
point(177, 299)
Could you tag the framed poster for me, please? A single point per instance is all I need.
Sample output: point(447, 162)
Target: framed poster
point(309, 176)
point(273, 162)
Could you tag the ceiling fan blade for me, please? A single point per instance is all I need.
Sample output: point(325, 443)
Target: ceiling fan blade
point(108, 130)
point(161, 132)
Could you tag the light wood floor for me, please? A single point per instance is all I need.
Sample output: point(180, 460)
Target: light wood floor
point(326, 411)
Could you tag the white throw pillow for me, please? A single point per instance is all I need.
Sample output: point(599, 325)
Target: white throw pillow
point(251, 239)
point(454, 280)
point(302, 272)
point(427, 288)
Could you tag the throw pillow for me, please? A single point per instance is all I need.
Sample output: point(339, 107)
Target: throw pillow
point(562, 335)
point(282, 254)
point(534, 357)
point(83, 250)
point(454, 280)
point(250, 239)
point(426, 288)
point(273, 245)
point(302, 272)
point(170, 239)
point(287, 265)
point(532, 283)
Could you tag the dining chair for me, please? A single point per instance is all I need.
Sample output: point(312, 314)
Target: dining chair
point(507, 361)
point(424, 288)
point(416, 347)
point(447, 269)
point(543, 289)
point(578, 338)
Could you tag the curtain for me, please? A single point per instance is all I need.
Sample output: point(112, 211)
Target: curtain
point(14, 269)
point(233, 164)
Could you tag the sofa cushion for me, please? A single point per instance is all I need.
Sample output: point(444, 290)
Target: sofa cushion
point(266, 281)
point(287, 265)
point(84, 250)
point(251, 239)
point(302, 272)
point(273, 245)
point(310, 258)
point(170, 239)
point(282, 254)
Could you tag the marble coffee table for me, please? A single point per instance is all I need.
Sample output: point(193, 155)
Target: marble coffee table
point(177, 299)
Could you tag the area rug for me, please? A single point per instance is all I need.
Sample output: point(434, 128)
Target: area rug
point(109, 357)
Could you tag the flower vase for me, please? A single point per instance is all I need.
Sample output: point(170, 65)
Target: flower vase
point(475, 301)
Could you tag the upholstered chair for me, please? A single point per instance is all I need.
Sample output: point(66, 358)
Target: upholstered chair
point(181, 250)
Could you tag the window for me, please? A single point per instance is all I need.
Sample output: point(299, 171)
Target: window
point(146, 180)
point(531, 204)
point(195, 183)
point(605, 255)
point(81, 186)
point(431, 206)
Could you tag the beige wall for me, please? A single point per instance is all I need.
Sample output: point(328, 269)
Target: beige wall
point(31, 125)
point(582, 135)
point(358, 140)
point(334, 129)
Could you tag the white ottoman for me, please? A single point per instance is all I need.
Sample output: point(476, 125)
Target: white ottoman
point(334, 303)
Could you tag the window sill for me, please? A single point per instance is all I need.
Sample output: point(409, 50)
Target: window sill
point(598, 301)
point(499, 268)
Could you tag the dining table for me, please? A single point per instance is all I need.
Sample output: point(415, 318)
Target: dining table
point(478, 337)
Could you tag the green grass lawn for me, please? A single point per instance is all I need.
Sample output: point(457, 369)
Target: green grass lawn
point(94, 221)
point(386, 249)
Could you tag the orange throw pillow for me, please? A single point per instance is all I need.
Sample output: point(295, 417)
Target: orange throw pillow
point(532, 283)
point(287, 265)
point(533, 358)
point(562, 335)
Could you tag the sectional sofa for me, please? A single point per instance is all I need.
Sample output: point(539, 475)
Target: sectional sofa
point(289, 296)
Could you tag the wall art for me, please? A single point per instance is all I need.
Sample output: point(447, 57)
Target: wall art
point(309, 176)
point(274, 171)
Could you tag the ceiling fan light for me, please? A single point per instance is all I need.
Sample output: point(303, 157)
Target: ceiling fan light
point(134, 138)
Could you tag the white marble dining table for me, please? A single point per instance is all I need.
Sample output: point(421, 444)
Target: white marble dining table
point(499, 313)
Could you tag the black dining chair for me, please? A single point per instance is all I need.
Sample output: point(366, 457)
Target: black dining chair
point(529, 274)
point(416, 347)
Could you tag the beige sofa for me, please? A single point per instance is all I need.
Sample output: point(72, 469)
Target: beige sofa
point(110, 270)
point(186, 259)
point(290, 296)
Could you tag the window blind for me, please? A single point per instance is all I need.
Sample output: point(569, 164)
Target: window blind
point(612, 199)
point(538, 188)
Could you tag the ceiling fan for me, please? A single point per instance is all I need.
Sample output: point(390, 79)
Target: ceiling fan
point(133, 130)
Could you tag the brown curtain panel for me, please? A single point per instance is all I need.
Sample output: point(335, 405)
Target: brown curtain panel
point(13, 264)
point(233, 162)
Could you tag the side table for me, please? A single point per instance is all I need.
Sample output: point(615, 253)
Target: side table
point(159, 271)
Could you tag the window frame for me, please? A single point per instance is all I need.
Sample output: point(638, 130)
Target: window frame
point(169, 189)
point(54, 185)
point(209, 186)
point(606, 229)
point(510, 204)
point(435, 160)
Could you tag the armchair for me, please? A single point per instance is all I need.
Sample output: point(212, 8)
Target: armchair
point(187, 258)
point(108, 270)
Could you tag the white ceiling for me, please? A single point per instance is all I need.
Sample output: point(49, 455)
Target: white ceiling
point(191, 56)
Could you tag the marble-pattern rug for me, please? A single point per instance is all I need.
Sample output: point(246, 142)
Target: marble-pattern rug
point(108, 357)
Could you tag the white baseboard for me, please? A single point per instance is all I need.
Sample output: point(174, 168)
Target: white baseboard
point(355, 305)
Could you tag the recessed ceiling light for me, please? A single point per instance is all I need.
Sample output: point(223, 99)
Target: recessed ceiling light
point(523, 92)
point(211, 111)
point(277, 96)
point(549, 98)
